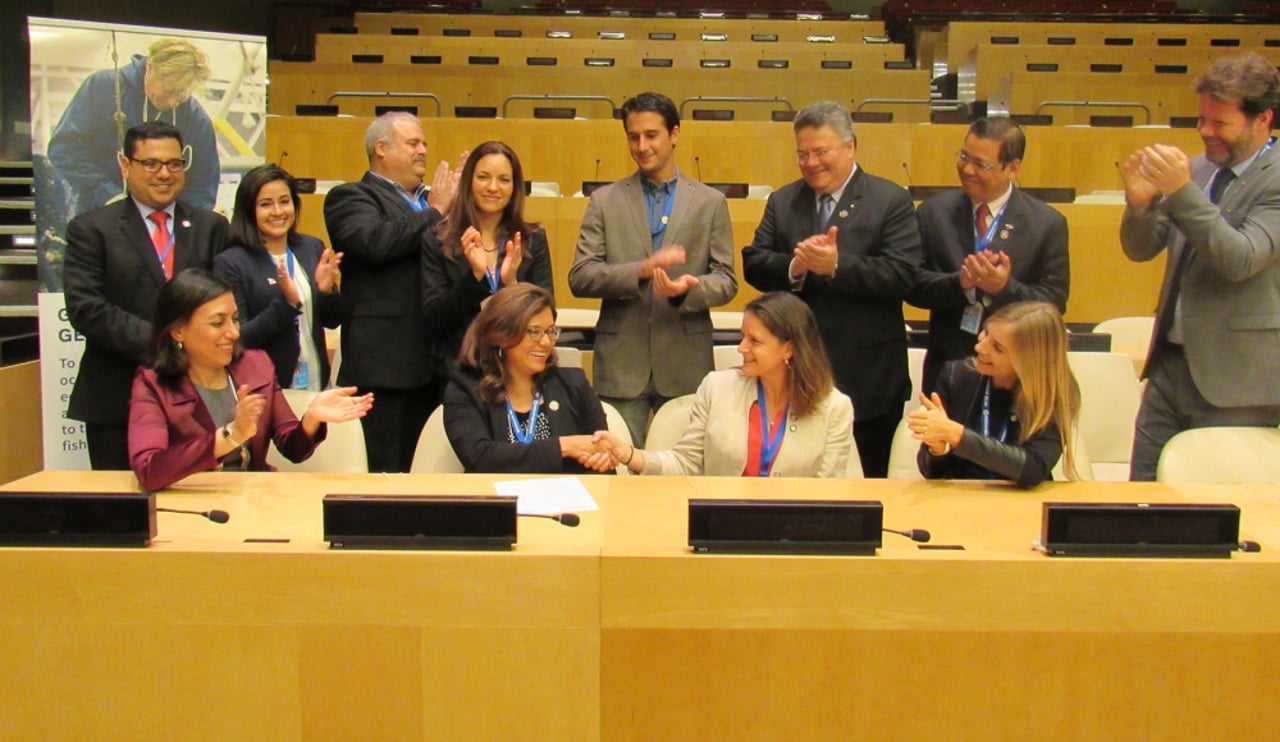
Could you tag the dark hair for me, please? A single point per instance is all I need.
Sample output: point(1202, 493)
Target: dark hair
point(1002, 129)
point(652, 102)
point(1247, 80)
point(178, 301)
point(501, 325)
point(789, 319)
point(244, 222)
point(149, 130)
point(462, 212)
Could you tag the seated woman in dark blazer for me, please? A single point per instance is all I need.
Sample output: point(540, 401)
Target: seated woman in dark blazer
point(508, 407)
point(283, 282)
point(205, 405)
point(481, 245)
point(779, 414)
point(1005, 413)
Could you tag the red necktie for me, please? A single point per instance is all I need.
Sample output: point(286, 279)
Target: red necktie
point(163, 242)
point(982, 220)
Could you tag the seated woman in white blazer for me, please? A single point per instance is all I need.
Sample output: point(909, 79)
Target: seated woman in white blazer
point(778, 414)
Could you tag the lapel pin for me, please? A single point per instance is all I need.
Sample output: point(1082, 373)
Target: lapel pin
point(1004, 235)
point(844, 214)
point(271, 282)
point(186, 224)
point(554, 405)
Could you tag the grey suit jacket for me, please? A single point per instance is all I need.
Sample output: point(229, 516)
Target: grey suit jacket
point(1231, 284)
point(1032, 233)
point(715, 442)
point(639, 332)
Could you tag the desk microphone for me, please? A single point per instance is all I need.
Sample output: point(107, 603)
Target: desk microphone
point(565, 519)
point(915, 534)
point(697, 164)
point(907, 170)
point(217, 516)
point(1250, 547)
point(597, 170)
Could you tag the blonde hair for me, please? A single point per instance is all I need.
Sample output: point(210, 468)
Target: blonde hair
point(179, 63)
point(1047, 390)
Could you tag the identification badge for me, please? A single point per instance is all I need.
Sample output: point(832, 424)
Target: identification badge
point(971, 320)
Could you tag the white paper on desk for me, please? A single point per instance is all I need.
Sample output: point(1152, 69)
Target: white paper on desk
point(547, 496)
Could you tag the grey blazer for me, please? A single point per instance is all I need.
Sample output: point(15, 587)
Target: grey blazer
point(638, 331)
point(1231, 286)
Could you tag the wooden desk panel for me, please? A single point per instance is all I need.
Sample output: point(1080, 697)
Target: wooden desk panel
point(203, 636)
point(993, 643)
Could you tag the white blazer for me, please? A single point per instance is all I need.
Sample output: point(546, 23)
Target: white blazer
point(715, 442)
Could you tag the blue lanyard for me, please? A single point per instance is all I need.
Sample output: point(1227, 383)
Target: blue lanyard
point(524, 433)
point(986, 417)
point(288, 259)
point(666, 213)
point(769, 445)
point(981, 241)
point(168, 248)
point(417, 202)
point(491, 276)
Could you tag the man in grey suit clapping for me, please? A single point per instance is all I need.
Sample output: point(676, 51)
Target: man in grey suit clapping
point(657, 247)
point(1216, 346)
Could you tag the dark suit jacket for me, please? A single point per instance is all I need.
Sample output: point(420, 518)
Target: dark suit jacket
point(112, 279)
point(451, 295)
point(1032, 233)
point(1026, 464)
point(1231, 286)
point(171, 434)
point(478, 430)
point(266, 319)
point(385, 342)
point(859, 311)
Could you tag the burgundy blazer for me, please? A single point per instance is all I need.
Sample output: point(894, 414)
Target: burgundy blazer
point(171, 434)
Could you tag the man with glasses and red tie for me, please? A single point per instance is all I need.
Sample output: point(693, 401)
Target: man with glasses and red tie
point(1215, 349)
point(986, 245)
point(846, 242)
point(118, 258)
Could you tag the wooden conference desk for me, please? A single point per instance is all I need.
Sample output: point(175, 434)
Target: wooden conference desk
point(613, 631)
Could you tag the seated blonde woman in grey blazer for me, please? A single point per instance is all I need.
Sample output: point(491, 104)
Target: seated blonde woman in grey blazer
point(785, 383)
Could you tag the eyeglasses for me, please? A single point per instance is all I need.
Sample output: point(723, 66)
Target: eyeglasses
point(536, 334)
point(816, 155)
point(153, 166)
point(983, 167)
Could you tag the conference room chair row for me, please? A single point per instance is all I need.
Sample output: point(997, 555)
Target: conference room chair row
point(763, 31)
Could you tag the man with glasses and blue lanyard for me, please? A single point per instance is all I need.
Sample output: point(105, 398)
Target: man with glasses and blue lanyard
point(118, 258)
point(1215, 350)
point(657, 247)
point(379, 224)
point(985, 245)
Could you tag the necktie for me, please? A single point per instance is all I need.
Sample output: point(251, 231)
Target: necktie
point(1220, 183)
point(982, 220)
point(163, 242)
point(826, 206)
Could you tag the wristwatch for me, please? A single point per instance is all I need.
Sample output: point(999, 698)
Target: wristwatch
point(225, 430)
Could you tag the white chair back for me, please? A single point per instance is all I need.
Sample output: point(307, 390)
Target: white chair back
point(725, 357)
point(618, 427)
point(434, 453)
point(1109, 399)
point(568, 357)
point(902, 454)
point(669, 423)
point(1221, 455)
point(341, 452)
point(1130, 336)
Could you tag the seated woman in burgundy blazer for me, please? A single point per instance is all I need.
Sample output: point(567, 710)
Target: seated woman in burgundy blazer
point(204, 405)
